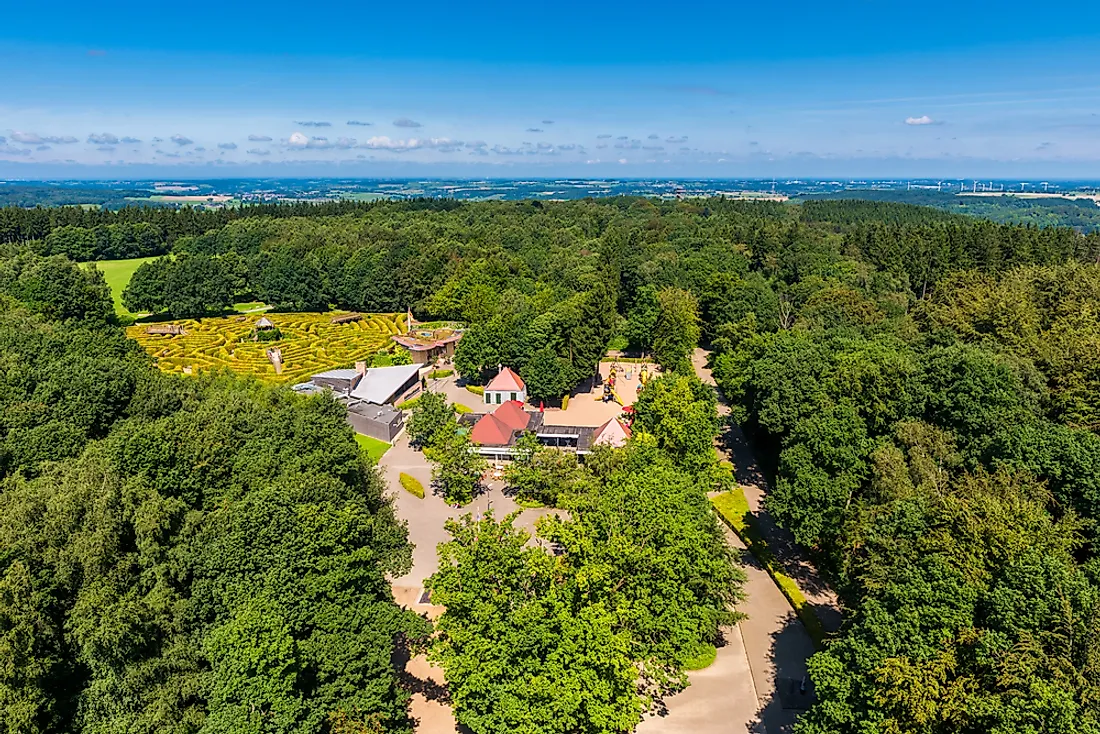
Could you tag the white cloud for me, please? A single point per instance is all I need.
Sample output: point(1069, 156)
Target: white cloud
point(259, 138)
point(383, 142)
point(359, 123)
point(258, 151)
point(128, 139)
point(922, 120)
point(36, 139)
point(227, 146)
point(181, 139)
point(312, 123)
point(406, 122)
point(103, 139)
point(12, 150)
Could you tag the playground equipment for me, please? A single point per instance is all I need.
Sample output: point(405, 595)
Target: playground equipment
point(609, 394)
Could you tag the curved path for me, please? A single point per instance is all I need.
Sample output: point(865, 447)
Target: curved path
point(770, 644)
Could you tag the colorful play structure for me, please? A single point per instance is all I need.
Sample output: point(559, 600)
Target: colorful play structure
point(609, 393)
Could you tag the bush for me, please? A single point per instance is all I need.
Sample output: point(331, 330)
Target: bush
point(460, 409)
point(565, 402)
point(703, 658)
point(476, 389)
point(439, 374)
point(408, 404)
point(412, 485)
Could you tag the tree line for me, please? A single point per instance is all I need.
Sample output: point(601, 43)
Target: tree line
point(943, 464)
point(181, 555)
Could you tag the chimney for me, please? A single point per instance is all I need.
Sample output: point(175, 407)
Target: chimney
point(361, 368)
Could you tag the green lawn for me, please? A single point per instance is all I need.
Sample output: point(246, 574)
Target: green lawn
point(374, 448)
point(118, 274)
point(250, 306)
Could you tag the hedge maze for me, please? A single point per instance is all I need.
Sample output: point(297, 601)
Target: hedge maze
point(310, 343)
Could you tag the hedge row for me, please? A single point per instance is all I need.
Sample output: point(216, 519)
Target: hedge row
point(411, 484)
point(440, 374)
point(733, 508)
point(476, 389)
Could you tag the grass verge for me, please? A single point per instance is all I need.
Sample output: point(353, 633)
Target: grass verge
point(411, 484)
point(372, 446)
point(733, 508)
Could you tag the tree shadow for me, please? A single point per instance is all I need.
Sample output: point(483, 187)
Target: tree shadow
point(788, 649)
point(427, 687)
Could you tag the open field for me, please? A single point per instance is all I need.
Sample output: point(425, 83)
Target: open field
point(311, 343)
point(118, 274)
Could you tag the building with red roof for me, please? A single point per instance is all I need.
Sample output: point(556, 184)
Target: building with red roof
point(500, 427)
point(506, 386)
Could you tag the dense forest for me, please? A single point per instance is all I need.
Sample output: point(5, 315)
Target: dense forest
point(180, 555)
point(923, 387)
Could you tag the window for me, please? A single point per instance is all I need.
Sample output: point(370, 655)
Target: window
point(488, 398)
point(513, 396)
point(498, 398)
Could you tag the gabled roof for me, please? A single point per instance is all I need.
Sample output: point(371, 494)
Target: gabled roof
point(512, 414)
point(264, 323)
point(506, 380)
point(614, 433)
point(491, 431)
point(380, 384)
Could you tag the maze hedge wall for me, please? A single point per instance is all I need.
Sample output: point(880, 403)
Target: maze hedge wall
point(311, 343)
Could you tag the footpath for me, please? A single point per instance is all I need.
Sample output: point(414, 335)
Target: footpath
point(772, 643)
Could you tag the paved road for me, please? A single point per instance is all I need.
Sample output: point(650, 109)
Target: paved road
point(734, 446)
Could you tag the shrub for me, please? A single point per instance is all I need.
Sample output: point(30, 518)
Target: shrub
point(411, 484)
point(703, 658)
point(408, 404)
point(439, 374)
point(476, 389)
point(460, 408)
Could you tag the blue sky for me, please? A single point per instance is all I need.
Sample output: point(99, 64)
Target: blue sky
point(565, 89)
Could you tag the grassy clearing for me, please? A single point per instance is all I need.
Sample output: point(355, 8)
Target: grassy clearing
point(733, 508)
point(311, 343)
point(411, 484)
point(374, 448)
point(250, 306)
point(117, 274)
